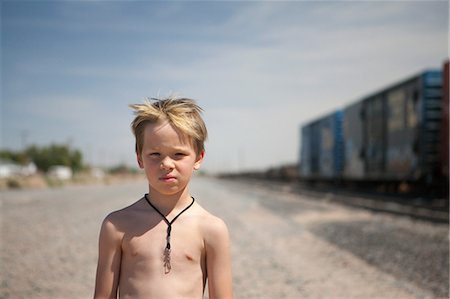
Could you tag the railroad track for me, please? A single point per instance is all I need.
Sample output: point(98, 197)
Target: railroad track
point(419, 207)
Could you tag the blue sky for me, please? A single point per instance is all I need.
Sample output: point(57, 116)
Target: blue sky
point(259, 69)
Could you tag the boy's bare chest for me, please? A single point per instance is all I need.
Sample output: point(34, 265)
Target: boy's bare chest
point(147, 244)
point(143, 260)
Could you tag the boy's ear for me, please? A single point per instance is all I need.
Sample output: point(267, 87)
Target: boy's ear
point(199, 161)
point(139, 160)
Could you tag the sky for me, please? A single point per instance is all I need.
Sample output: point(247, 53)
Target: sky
point(259, 69)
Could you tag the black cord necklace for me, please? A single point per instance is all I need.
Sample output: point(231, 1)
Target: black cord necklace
point(167, 265)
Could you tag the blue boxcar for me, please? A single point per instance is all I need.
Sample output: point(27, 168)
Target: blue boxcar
point(321, 151)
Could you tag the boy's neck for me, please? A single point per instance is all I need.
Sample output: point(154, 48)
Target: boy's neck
point(166, 203)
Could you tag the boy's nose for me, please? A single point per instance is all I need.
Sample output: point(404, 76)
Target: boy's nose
point(166, 164)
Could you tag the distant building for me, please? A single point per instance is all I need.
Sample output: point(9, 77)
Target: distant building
point(10, 169)
point(29, 169)
point(60, 172)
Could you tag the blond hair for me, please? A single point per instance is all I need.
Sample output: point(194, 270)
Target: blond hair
point(182, 113)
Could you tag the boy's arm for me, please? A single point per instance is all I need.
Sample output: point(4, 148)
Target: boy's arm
point(218, 262)
point(109, 258)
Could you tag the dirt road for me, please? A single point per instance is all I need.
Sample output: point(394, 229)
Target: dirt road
point(283, 245)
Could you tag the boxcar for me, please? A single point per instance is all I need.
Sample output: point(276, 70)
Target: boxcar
point(321, 150)
point(401, 129)
point(414, 112)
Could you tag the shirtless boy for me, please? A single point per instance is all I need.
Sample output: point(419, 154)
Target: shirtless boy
point(165, 245)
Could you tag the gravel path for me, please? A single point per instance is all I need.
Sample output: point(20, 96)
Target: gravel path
point(283, 245)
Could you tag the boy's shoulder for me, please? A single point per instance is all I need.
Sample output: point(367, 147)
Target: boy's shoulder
point(125, 214)
point(211, 224)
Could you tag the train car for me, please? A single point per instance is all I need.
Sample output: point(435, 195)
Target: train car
point(400, 129)
point(444, 151)
point(321, 149)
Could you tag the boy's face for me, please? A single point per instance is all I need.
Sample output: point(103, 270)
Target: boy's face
point(168, 158)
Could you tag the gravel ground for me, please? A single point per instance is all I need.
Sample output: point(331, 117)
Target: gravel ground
point(283, 245)
point(409, 252)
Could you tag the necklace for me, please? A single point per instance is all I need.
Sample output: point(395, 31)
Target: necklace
point(167, 266)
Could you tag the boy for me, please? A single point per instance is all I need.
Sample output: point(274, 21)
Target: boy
point(165, 245)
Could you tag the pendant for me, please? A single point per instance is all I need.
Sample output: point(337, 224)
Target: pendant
point(167, 266)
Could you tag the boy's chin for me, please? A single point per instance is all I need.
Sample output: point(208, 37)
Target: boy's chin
point(167, 189)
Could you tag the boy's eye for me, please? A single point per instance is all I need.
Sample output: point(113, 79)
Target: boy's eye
point(154, 154)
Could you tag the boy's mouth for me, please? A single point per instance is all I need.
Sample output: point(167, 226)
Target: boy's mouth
point(167, 178)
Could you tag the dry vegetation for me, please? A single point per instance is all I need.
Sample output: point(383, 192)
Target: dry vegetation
point(39, 181)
